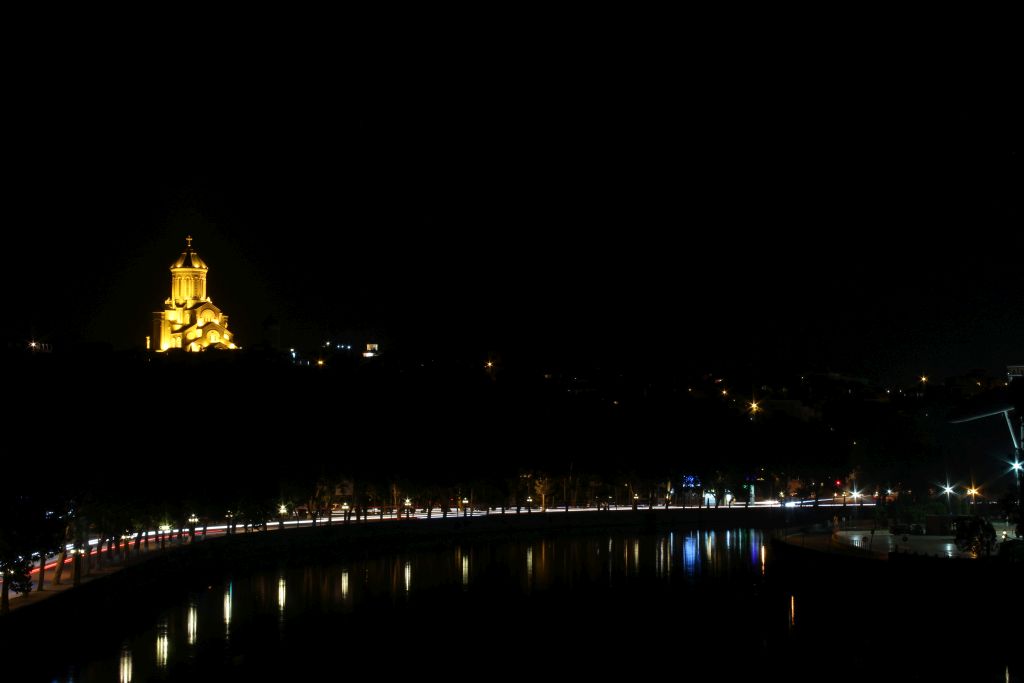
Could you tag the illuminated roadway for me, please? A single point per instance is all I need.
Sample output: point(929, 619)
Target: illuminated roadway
point(337, 518)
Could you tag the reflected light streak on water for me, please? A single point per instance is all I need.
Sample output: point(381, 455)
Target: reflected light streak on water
point(124, 669)
point(193, 623)
point(690, 555)
point(344, 584)
point(161, 645)
point(465, 570)
point(792, 611)
point(227, 610)
point(282, 593)
point(408, 576)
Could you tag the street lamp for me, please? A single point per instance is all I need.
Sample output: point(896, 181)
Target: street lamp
point(974, 501)
point(408, 505)
point(529, 503)
point(947, 489)
point(465, 507)
point(1016, 465)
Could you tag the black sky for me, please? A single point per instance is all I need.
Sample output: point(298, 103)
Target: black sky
point(782, 209)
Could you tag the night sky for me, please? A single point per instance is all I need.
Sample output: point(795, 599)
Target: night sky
point(771, 214)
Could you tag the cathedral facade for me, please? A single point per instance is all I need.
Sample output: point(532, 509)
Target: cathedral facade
point(189, 320)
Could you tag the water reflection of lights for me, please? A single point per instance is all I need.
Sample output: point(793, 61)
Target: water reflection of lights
point(690, 555)
point(193, 623)
point(344, 585)
point(227, 610)
point(762, 559)
point(282, 593)
point(124, 669)
point(636, 556)
point(408, 576)
point(465, 570)
point(792, 610)
point(529, 561)
point(161, 645)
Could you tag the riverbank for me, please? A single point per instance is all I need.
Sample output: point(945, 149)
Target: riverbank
point(923, 563)
point(206, 559)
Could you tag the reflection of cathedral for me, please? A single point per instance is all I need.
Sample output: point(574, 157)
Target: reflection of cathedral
point(189, 320)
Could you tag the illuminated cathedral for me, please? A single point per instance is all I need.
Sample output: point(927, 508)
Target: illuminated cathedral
point(189, 319)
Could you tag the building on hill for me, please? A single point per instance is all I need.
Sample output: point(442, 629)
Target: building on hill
point(189, 319)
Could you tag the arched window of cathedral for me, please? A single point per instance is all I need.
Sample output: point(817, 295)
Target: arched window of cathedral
point(213, 337)
point(208, 316)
